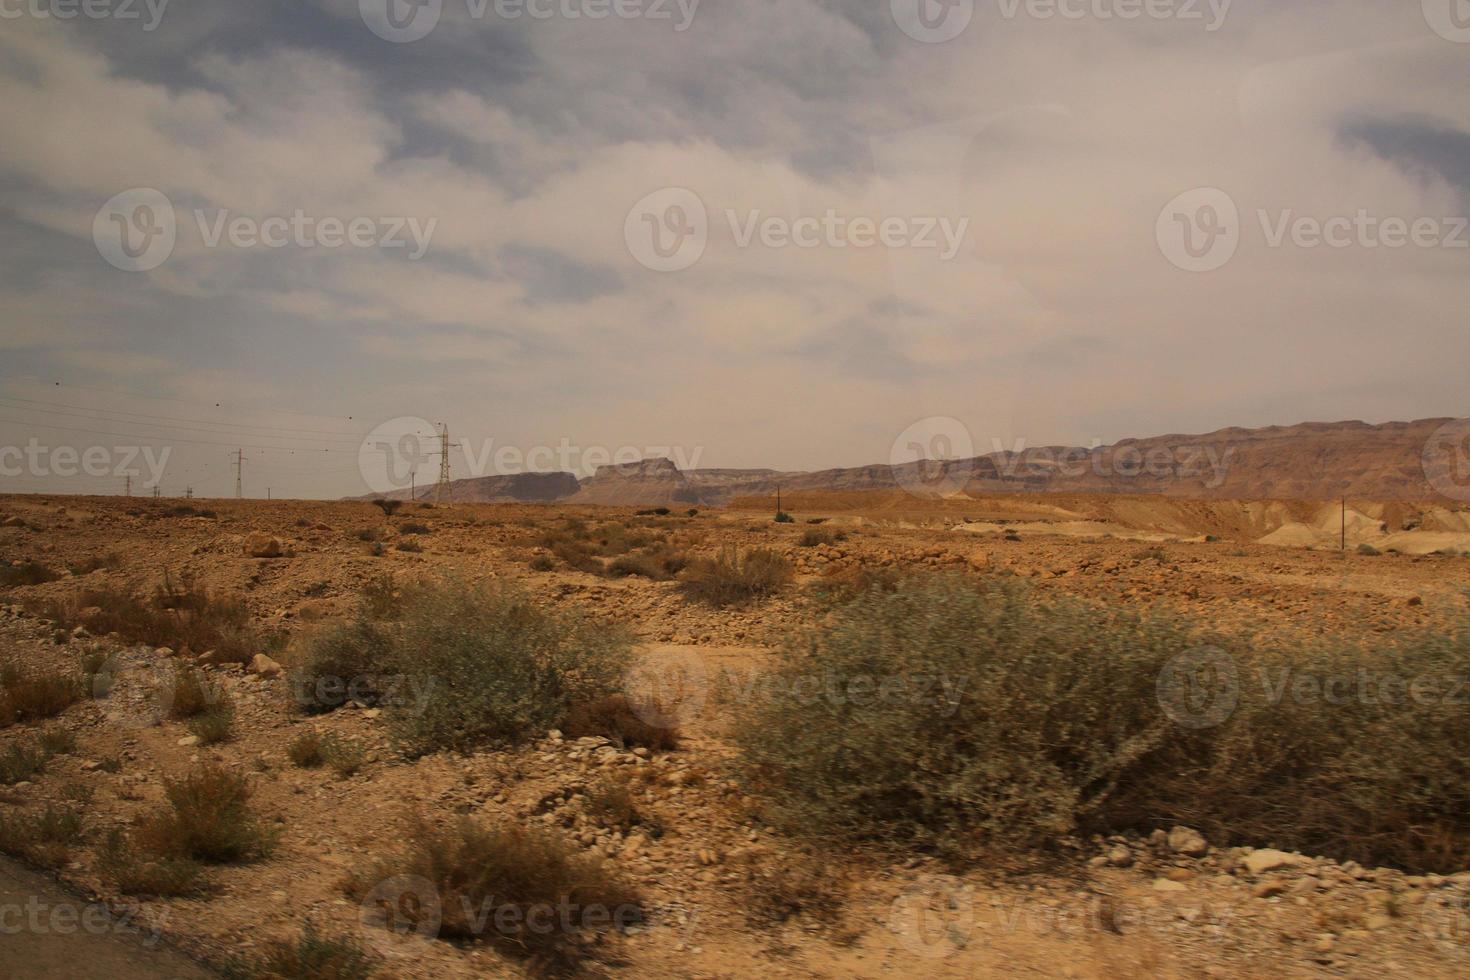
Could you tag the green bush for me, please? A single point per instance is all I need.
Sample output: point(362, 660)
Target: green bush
point(1032, 710)
point(1056, 724)
point(490, 668)
point(472, 666)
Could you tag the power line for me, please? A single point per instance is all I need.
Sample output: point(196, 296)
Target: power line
point(168, 438)
point(206, 427)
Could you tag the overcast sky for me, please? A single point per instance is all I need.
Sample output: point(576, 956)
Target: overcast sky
point(1031, 283)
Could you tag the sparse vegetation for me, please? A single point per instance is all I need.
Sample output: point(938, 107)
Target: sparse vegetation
point(312, 956)
point(812, 537)
point(20, 761)
point(622, 720)
point(490, 881)
point(1085, 742)
point(305, 750)
point(209, 820)
point(414, 527)
point(1368, 549)
point(181, 614)
point(733, 578)
point(388, 507)
point(43, 837)
point(135, 873)
point(483, 665)
point(410, 545)
point(26, 573)
point(660, 564)
point(34, 694)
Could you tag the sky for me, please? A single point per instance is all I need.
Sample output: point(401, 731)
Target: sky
point(740, 233)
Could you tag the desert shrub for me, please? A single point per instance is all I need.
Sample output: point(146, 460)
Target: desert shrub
point(526, 892)
point(784, 518)
point(96, 563)
point(215, 724)
point(410, 545)
point(611, 803)
point(814, 536)
point(542, 563)
point(578, 555)
point(414, 527)
point(388, 507)
point(1008, 717)
point(1154, 554)
point(733, 577)
point(653, 512)
point(1302, 757)
point(847, 583)
point(56, 740)
point(800, 885)
point(369, 534)
point(32, 695)
point(135, 873)
point(43, 837)
point(1354, 750)
point(209, 819)
point(20, 761)
point(621, 720)
point(343, 756)
point(343, 661)
point(26, 573)
point(182, 615)
point(305, 750)
point(660, 564)
point(1368, 549)
point(192, 694)
point(494, 668)
point(311, 956)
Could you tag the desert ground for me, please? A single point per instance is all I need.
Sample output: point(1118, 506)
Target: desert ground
point(723, 892)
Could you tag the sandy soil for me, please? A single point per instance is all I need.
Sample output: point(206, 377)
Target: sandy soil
point(1084, 920)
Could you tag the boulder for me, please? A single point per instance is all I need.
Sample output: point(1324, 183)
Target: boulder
point(1187, 841)
point(259, 545)
point(1267, 859)
point(263, 666)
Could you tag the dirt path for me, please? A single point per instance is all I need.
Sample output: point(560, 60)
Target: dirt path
point(48, 934)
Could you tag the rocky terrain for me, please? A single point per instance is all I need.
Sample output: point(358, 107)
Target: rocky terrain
point(1172, 905)
point(1311, 461)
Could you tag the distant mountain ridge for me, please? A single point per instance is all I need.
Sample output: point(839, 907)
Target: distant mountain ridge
point(1313, 460)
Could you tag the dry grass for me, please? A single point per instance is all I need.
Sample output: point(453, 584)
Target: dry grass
point(43, 837)
point(181, 615)
point(734, 578)
point(209, 819)
point(26, 573)
point(311, 956)
point(33, 695)
point(526, 892)
point(621, 720)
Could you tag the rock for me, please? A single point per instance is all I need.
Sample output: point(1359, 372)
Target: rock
point(1165, 885)
point(218, 658)
point(1269, 889)
point(263, 666)
point(1191, 843)
point(189, 740)
point(1260, 862)
point(979, 561)
point(260, 545)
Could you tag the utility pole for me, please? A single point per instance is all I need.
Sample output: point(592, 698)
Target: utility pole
point(442, 493)
point(1344, 524)
point(155, 493)
point(267, 493)
point(778, 501)
point(239, 463)
point(413, 483)
point(128, 487)
point(188, 493)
